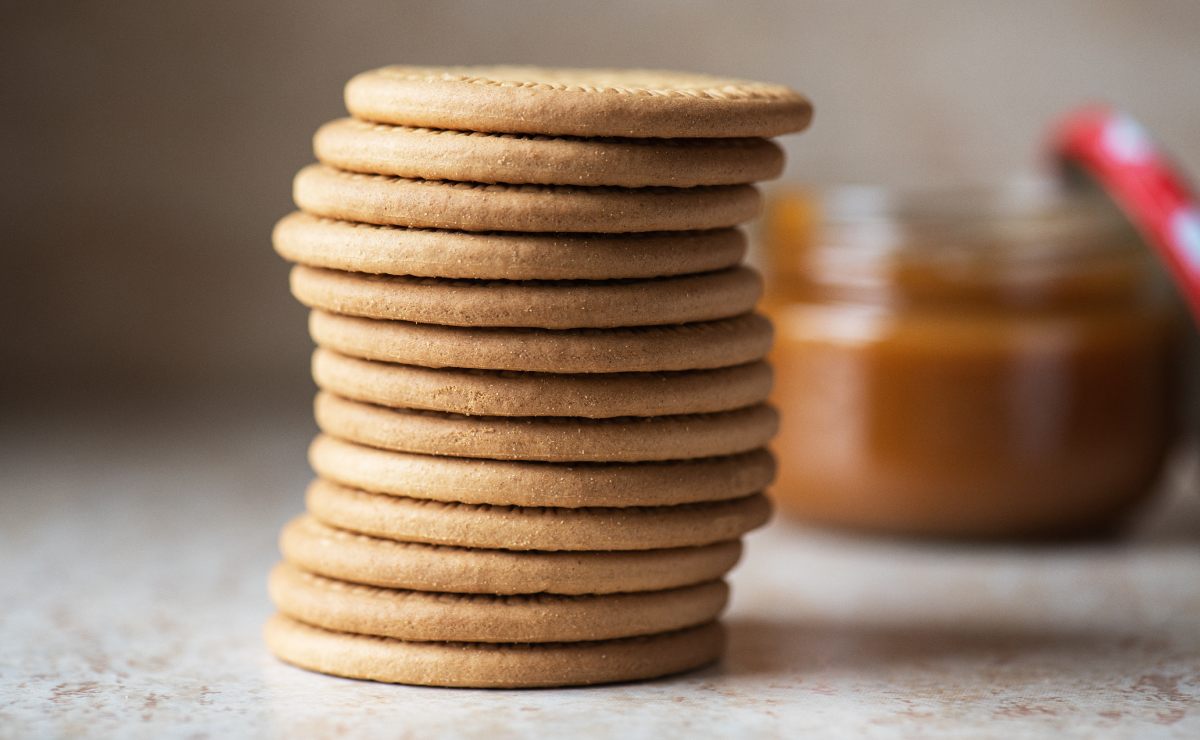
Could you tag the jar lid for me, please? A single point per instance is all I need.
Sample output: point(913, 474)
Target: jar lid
point(1114, 151)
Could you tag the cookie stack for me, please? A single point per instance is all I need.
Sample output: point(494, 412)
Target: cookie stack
point(542, 387)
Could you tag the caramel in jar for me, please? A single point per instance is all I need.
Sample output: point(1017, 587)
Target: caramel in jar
point(967, 365)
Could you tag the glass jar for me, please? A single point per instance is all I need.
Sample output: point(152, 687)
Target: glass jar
point(968, 364)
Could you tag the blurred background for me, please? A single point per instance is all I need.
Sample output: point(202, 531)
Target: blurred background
point(149, 146)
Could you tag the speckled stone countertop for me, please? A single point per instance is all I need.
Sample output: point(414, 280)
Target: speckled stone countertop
point(132, 565)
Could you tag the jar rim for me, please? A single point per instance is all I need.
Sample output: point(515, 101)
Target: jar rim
point(1028, 218)
point(1016, 198)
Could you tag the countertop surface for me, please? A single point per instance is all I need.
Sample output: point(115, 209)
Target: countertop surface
point(133, 554)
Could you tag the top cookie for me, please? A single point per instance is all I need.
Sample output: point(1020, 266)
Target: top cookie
point(576, 102)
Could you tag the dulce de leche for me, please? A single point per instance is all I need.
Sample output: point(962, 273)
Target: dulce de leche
point(967, 365)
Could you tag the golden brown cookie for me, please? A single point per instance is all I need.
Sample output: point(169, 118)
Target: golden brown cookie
point(576, 102)
point(566, 304)
point(391, 250)
point(551, 439)
point(358, 558)
point(490, 665)
point(468, 206)
point(453, 617)
point(535, 528)
point(470, 156)
point(503, 393)
point(710, 344)
point(521, 483)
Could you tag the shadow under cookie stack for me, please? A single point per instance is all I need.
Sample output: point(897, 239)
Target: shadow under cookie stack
point(542, 386)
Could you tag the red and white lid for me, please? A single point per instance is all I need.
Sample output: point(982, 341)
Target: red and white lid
point(1116, 152)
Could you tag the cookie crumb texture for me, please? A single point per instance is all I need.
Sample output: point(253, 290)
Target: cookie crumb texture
point(543, 386)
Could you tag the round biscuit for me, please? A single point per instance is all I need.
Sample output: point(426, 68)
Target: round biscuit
point(468, 206)
point(539, 484)
point(576, 102)
point(706, 345)
point(566, 304)
point(549, 439)
point(489, 665)
point(470, 156)
point(394, 250)
point(376, 561)
point(546, 528)
point(447, 617)
point(506, 393)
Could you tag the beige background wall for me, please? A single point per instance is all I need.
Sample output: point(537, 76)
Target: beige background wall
point(148, 146)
